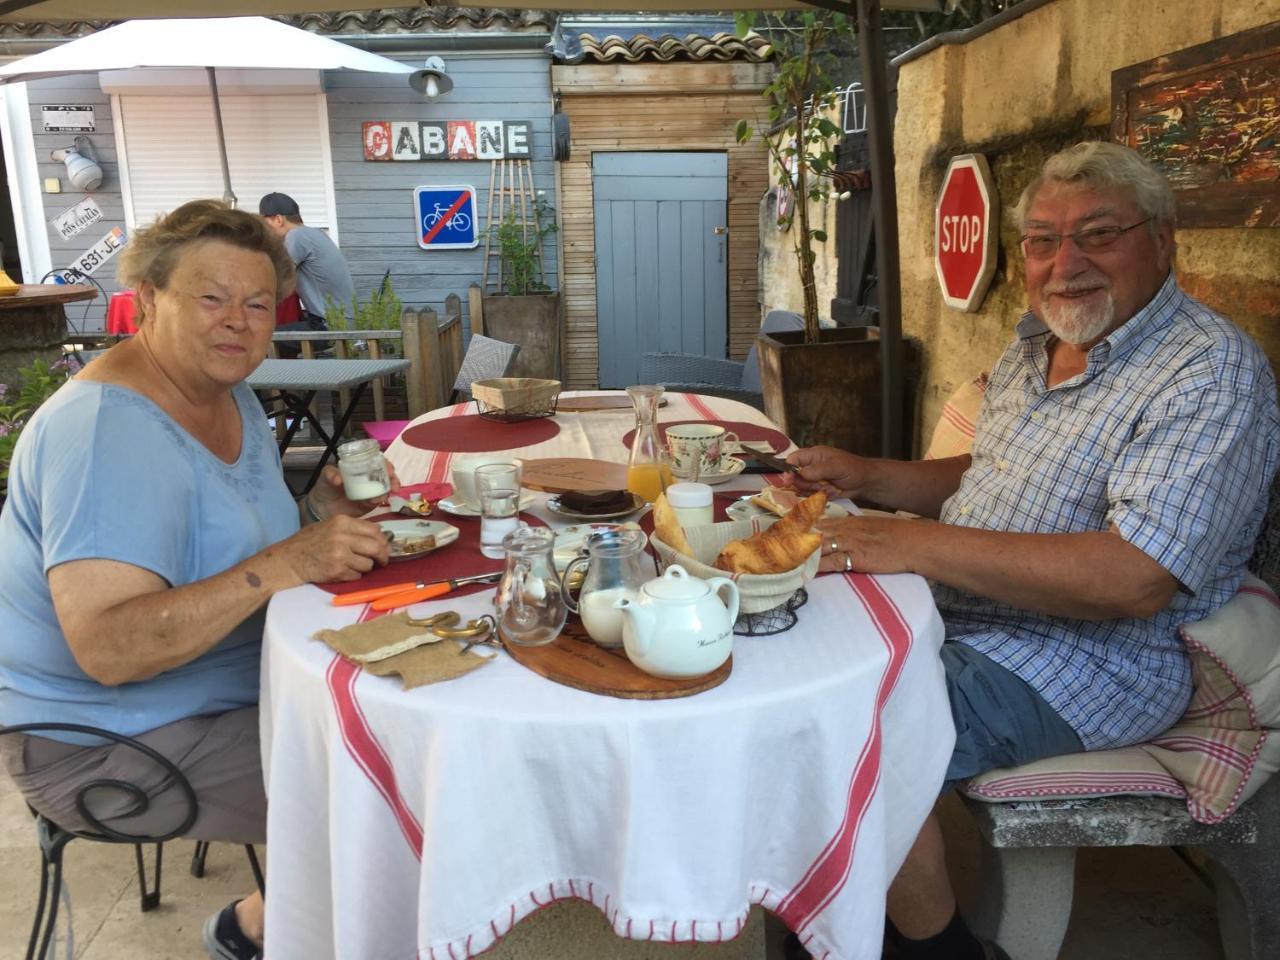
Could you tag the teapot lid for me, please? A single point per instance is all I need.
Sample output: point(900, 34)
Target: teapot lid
point(676, 584)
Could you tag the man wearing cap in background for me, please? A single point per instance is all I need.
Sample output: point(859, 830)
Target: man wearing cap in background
point(323, 274)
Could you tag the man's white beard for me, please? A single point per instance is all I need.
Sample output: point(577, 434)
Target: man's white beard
point(1078, 321)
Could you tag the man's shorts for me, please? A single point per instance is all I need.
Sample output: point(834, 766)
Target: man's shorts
point(218, 754)
point(1000, 720)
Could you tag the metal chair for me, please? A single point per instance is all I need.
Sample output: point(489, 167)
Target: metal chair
point(53, 838)
point(485, 358)
point(734, 379)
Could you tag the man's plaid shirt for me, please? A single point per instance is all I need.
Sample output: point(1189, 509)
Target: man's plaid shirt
point(1172, 435)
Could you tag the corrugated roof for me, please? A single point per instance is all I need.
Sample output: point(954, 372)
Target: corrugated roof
point(668, 47)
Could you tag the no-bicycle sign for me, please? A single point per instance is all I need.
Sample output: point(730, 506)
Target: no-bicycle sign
point(446, 217)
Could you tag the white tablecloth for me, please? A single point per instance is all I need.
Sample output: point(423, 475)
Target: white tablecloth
point(428, 823)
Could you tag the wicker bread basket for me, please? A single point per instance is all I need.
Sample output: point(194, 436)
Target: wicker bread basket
point(516, 397)
point(756, 592)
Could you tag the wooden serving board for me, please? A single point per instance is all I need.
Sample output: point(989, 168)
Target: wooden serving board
point(587, 404)
point(574, 660)
point(563, 474)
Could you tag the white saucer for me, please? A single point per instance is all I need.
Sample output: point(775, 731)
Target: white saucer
point(460, 509)
point(736, 466)
point(407, 536)
point(569, 540)
point(744, 509)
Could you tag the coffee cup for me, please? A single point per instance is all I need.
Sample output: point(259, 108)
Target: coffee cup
point(699, 449)
point(463, 475)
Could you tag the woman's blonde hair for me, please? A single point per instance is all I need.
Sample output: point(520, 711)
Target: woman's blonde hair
point(152, 252)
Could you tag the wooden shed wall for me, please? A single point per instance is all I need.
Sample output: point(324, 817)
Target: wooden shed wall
point(657, 106)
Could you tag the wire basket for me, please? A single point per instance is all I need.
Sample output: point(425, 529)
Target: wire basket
point(778, 619)
point(512, 399)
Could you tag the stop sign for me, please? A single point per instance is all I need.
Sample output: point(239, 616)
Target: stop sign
point(964, 241)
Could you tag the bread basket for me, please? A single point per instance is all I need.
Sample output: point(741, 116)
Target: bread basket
point(757, 592)
point(515, 398)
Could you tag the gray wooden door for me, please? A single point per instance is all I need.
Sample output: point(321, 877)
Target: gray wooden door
point(661, 258)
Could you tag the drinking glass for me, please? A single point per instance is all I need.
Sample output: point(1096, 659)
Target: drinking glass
point(499, 487)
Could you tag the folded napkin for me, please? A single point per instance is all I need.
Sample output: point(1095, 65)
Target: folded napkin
point(430, 663)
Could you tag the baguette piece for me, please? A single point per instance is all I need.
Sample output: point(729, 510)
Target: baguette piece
point(783, 546)
point(668, 528)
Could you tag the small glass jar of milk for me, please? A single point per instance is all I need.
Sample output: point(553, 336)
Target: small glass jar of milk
point(364, 471)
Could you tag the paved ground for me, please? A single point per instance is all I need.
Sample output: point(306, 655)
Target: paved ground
point(1130, 904)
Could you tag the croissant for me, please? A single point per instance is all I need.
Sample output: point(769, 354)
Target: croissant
point(668, 528)
point(783, 546)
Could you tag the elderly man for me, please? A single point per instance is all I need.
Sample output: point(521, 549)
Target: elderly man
point(1117, 482)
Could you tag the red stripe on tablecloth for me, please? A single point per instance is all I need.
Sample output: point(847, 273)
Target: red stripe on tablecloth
point(438, 471)
point(828, 873)
point(365, 749)
point(1262, 592)
point(700, 405)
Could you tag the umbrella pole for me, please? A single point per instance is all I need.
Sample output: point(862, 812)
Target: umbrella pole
point(228, 195)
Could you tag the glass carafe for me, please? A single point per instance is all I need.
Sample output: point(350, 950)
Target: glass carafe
point(617, 566)
point(531, 608)
point(648, 471)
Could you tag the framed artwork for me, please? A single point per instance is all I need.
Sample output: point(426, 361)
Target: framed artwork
point(1208, 117)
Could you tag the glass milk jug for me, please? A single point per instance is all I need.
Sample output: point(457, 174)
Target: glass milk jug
point(531, 608)
point(647, 470)
point(617, 567)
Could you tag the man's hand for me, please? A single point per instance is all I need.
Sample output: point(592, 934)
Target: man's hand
point(870, 544)
point(837, 473)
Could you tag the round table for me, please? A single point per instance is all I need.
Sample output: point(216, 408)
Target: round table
point(430, 822)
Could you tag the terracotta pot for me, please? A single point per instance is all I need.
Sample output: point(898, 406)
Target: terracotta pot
point(531, 320)
point(826, 392)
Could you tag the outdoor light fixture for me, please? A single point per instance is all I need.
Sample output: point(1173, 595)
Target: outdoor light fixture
point(81, 159)
point(431, 81)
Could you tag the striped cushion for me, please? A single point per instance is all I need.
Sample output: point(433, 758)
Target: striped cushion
point(1221, 750)
point(953, 434)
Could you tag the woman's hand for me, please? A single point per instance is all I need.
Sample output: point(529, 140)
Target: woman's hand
point(837, 473)
point(328, 499)
point(340, 548)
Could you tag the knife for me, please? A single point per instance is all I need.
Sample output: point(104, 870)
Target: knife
point(429, 591)
point(408, 586)
point(772, 462)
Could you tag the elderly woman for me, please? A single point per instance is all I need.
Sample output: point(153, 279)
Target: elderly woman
point(147, 525)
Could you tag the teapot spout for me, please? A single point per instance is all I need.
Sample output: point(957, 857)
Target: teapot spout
point(638, 623)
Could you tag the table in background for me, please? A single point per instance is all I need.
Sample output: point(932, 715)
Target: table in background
point(296, 382)
point(35, 324)
point(430, 822)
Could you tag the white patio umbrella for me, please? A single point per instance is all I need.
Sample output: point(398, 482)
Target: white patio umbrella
point(237, 42)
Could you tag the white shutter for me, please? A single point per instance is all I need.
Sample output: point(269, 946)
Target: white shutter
point(274, 142)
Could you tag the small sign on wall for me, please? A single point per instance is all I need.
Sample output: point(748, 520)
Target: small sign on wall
point(75, 220)
point(67, 118)
point(446, 140)
point(446, 217)
point(94, 257)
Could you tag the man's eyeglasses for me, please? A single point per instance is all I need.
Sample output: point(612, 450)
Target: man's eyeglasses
point(1042, 246)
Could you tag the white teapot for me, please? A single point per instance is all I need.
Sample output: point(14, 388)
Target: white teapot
point(680, 625)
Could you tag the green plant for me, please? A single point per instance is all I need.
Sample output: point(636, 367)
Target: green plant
point(37, 383)
point(519, 244)
point(380, 312)
point(800, 137)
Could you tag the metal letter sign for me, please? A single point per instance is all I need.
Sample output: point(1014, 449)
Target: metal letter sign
point(446, 217)
point(965, 232)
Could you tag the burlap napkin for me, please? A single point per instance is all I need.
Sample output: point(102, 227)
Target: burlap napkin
point(430, 663)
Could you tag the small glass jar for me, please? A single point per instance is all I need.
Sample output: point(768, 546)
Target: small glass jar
point(364, 471)
point(691, 503)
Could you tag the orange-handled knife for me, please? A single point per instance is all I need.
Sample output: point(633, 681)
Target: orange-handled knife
point(373, 593)
point(430, 591)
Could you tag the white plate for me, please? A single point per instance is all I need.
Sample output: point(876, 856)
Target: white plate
point(460, 509)
point(554, 505)
point(744, 509)
point(736, 466)
point(406, 534)
point(569, 540)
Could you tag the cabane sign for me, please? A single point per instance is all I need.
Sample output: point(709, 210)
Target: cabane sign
point(446, 140)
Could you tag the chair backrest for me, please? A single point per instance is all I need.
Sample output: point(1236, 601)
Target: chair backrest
point(485, 358)
point(1265, 562)
point(775, 321)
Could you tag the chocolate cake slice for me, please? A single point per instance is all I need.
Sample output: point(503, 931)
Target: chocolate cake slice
point(596, 502)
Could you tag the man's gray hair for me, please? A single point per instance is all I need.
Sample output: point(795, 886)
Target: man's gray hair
point(1105, 166)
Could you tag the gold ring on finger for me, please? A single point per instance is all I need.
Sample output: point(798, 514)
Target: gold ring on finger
point(835, 546)
point(848, 562)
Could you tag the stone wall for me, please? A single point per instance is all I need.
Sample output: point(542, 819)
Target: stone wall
point(1017, 94)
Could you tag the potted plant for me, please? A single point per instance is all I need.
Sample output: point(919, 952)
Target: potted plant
point(39, 382)
point(526, 311)
point(820, 385)
point(381, 311)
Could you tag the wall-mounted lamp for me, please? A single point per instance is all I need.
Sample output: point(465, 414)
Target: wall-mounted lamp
point(83, 169)
point(431, 81)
